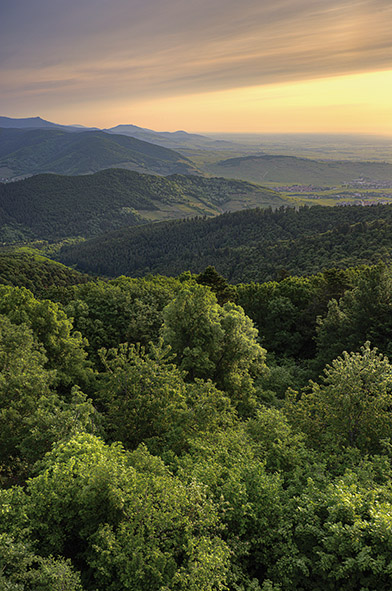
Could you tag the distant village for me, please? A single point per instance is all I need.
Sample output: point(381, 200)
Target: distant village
point(365, 192)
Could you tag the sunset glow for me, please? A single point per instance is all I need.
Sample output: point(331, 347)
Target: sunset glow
point(283, 66)
point(347, 104)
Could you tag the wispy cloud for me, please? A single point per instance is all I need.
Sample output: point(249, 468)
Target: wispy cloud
point(123, 48)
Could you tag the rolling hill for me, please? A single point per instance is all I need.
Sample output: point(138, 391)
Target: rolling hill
point(53, 207)
point(252, 245)
point(26, 268)
point(282, 170)
point(32, 151)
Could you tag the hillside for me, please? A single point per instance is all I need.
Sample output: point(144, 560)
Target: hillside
point(25, 268)
point(276, 169)
point(52, 207)
point(252, 245)
point(25, 152)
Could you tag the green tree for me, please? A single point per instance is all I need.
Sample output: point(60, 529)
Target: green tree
point(249, 498)
point(341, 537)
point(23, 380)
point(275, 442)
point(21, 567)
point(64, 348)
point(109, 313)
point(218, 284)
point(144, 398)
point(32, 416)
point(193, 330)
point(215, 342)
point(23, 570)
point(55, 419)
point(352, 405)
point(126, 520)
point(364, 313)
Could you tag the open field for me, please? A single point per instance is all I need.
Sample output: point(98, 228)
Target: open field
point(337, 147)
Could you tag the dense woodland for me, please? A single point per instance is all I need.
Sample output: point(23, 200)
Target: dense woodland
point(249, 245)
point(183, 426)
point(54, 207)
point(182, 433)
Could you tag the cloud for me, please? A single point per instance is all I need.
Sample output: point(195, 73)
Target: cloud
point(135, 49)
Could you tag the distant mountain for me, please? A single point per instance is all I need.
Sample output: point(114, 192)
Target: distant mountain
point(167, 139)
point(264, 168)
point(245, 246)
point(37, 123)
point(53, 207)
point(33, 151)
point(171, 139)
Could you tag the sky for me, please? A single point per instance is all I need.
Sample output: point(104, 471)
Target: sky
point(248, 66)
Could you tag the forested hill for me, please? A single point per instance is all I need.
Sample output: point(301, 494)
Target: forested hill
point(26, 268)
point(249, 245)
point(52, 207)
point(53, 150)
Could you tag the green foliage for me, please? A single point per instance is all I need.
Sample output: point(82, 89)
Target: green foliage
point(63, 347)
point(282, 374)
point(250, 500)
point(119, 311)
point(285, 312)
point(53, 420)
point(54, 207)
point(250, 245)
point(136, 528)
point(23, 380)
point(351, 407)
point(36, 273)
point(22, 570)
point(275, 442)
point(362, 314)
point(144, 398)
point(342, 536)
point(32, 417)
point(218, 284)
point(209, 409)
point(295, 496)
point(214, 342)
point(193, 330)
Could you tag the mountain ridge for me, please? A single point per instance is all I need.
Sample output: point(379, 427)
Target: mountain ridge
point(33, 151)
point(38, 123)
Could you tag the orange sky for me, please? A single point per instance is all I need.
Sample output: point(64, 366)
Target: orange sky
point(207, 66)
point(359, 103)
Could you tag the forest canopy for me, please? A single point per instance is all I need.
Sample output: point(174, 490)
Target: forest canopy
point(249, 245)
point(169, 434)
